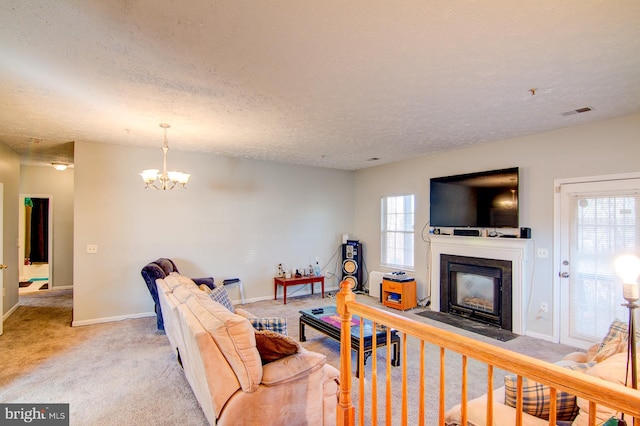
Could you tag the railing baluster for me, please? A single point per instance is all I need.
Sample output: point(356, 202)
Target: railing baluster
point(345, 412)
point(374, 376)
point(442, 389)
point(388, 396)
point(405, 410)
point(422, 376)
point(463, 401)
point(361, 397)
point(519, 401)
point(592, 413)
point(553, 404)
point(489, 394)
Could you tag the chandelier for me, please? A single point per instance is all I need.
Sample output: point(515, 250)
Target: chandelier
point(165, 180)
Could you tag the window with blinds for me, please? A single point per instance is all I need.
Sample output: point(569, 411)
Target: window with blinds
point(397, 231)
point(602, 227)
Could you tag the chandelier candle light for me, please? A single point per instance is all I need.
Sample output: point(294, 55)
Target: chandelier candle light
point(165, 180)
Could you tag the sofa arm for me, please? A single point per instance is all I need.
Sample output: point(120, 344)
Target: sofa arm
point(243, 313)
point(208, 281)
point(579, 357)
point(292, 367)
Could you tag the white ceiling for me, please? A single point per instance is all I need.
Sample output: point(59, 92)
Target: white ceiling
point(323, 83)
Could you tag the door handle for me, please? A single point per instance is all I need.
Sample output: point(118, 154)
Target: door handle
point(564, 275)
point(3, 266)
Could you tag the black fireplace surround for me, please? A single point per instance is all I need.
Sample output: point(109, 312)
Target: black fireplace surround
point(490, 303)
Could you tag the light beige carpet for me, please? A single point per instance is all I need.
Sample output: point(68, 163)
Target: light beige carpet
point(124, 373)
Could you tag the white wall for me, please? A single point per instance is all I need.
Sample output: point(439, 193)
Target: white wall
point(237, 218)
point(45, 180)
point(605, 147)
point(10, 177)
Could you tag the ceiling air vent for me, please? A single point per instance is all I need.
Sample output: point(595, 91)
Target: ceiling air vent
point(577, 111)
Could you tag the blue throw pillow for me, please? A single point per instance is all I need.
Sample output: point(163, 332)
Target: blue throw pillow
point(278, 325)
point(220, 295)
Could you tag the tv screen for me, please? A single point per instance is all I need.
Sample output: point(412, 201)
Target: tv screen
point(483, 200)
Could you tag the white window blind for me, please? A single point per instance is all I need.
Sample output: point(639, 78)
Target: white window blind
point(397, 231)
point(602, 227)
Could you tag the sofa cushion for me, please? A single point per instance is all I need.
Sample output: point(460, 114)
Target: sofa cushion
point(243, 312)
point(536, 397)
point(292, 367)
point(612, 369)
point(275, 324)
point(220, 295)
point(273, 346)
point(234, 336)
point(613, 342)
point(477, 413)
point(183, 293)
point(175, 280)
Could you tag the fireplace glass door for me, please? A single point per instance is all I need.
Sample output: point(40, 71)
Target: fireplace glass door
point(476, 288)
point(475, 292)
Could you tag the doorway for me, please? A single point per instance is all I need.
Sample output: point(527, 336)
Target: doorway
point(36, 242)
point(599, 220)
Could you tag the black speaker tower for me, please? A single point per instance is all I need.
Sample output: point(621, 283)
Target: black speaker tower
point(352, 258)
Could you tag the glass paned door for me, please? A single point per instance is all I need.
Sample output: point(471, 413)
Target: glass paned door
point(599, 221)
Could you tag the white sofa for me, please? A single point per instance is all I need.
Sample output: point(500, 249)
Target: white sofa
point(605, 360)
point(228, 363)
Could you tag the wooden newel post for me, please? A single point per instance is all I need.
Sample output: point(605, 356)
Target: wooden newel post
point(346, 411)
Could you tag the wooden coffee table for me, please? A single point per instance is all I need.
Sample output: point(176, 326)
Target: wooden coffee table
point(328, 322)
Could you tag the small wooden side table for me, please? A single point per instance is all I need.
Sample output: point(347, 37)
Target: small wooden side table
point(285, 282)
point(399, 294)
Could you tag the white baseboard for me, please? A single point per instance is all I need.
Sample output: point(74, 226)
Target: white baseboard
point(280, 297)
point(10, 311)
point(111, 319)
point(61, 287)
point(152, 314)
point(540, 336)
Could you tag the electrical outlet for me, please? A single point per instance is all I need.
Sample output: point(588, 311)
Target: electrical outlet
point(544, 307)
point(543, 252)
point(92, 248)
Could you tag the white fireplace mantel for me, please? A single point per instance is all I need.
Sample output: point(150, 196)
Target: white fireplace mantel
point(515, 250)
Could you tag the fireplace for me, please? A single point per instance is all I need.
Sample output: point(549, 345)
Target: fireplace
point(515, 250)
point(477, 288)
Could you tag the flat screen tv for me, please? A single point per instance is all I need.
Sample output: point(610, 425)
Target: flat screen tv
point(483, 200)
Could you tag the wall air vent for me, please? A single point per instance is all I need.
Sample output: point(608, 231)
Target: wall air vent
point(577, 111)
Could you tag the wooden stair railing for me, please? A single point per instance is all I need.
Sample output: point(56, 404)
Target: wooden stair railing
point(595, 390)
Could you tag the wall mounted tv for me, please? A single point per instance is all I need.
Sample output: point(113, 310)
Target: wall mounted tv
point(483, 200)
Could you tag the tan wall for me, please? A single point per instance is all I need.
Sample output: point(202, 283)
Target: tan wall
point(237, 218)
point(605, 147)
point(9, 177)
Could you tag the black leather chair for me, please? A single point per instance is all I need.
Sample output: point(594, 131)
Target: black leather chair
point(160, 269)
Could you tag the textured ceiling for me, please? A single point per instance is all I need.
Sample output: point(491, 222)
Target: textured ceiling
point(329, 84)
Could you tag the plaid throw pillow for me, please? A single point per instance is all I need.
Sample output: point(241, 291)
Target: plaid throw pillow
point(615, 341)
point(278, 325)
point(219, 294)
point(536, 397)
